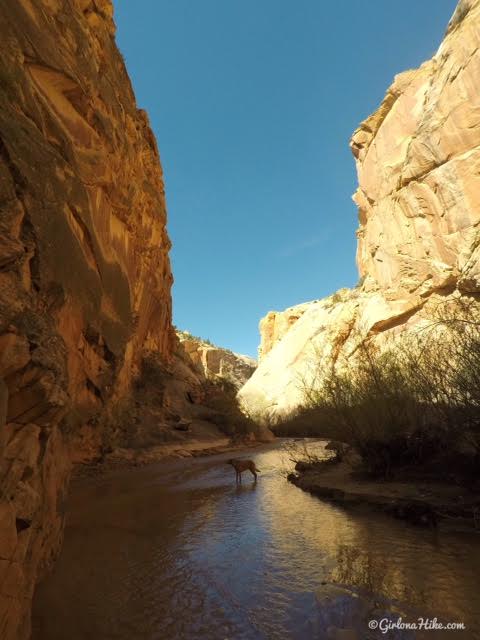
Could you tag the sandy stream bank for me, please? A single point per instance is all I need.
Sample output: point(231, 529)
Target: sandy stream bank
point(420, 502)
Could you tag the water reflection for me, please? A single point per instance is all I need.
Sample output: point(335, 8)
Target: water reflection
point(184, 552)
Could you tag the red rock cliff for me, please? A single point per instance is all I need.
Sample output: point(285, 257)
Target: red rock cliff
point(84, 271)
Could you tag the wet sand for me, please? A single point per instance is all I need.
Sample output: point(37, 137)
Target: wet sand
point(431, 503)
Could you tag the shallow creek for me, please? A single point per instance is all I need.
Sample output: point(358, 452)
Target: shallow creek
point(177, 550)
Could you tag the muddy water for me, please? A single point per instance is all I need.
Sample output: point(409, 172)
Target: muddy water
point(179, 551)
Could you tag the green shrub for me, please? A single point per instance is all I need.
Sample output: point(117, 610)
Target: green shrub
point(221, 396)
point(186, 335)
point(308, 422)
point(153, 373)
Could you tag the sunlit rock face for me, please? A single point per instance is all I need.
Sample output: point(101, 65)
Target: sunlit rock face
point(213, 362)
point(84, 271)
point(275, 325)
point(418, 164)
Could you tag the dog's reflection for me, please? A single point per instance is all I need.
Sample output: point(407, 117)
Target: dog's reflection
point(245, 488)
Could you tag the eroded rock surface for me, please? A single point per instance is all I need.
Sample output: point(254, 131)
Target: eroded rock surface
point(276, 324)
point(418, 164)
point(214, 362)
point(84, 270)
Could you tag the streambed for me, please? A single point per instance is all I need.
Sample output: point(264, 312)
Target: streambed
point(178, 550)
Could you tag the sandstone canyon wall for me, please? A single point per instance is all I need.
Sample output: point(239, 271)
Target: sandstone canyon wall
point(276, 324)
point(418, 165)
point(84, 270)
point(214, 362)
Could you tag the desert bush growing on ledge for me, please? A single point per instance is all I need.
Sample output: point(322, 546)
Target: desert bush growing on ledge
point(447, 374)
point(375, 408)
point(413, 403)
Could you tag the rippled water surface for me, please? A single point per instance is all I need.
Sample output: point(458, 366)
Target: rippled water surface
point(178, 550)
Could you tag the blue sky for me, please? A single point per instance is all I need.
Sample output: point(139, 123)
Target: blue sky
point(253, 103)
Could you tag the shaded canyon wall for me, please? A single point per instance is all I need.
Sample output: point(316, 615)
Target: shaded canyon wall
point(84, 271)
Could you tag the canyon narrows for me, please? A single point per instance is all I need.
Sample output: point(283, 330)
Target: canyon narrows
point(92, 369)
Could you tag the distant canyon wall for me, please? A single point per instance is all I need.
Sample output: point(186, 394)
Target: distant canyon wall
point(418, 165)
point(84, 270)
point(215, 363)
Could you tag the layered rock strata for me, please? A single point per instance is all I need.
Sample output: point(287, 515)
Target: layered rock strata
point(84, 270)
point(418, 164)
point(216, 363)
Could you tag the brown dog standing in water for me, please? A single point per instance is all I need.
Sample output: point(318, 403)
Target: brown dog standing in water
point(243, 465)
